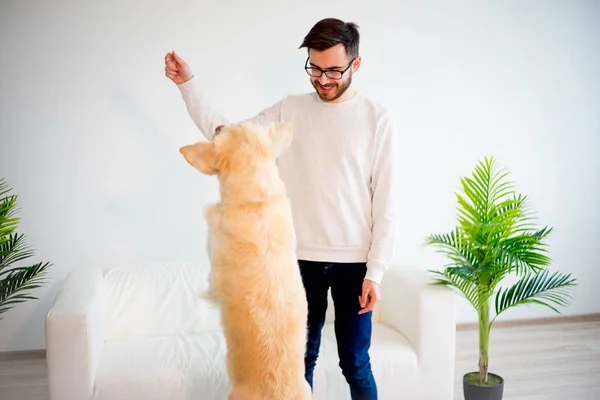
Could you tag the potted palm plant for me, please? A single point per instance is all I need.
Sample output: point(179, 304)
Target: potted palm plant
point(495, 238)
point(15, 281)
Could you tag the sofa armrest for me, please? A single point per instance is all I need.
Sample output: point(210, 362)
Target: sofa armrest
point(425, 315)
point(74, 335)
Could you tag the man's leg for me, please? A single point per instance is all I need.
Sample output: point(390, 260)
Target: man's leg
point(316, 286)
point(353, 331)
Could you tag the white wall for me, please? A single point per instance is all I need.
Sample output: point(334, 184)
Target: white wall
point(91, 126)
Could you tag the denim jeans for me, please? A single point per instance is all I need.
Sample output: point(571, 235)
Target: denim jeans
point(353, 331)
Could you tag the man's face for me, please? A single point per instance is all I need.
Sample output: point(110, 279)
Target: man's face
point(332, 59)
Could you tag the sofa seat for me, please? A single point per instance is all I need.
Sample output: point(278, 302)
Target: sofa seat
point(145, 332)
point(178, 367)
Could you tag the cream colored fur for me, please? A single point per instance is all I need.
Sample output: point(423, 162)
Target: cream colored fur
point(255, 276)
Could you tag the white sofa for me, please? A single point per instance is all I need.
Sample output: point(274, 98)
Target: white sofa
point(143, 333)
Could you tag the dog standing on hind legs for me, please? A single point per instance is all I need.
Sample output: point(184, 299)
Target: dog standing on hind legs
point(255, 276)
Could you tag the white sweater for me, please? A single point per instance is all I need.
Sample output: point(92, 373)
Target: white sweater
point(340, 173)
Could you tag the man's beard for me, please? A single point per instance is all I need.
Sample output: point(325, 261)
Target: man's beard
point(337, 92)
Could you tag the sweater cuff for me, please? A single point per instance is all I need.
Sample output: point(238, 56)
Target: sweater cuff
point(187, 87)
point(375, 273)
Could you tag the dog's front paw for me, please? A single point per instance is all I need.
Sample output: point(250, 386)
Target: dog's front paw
point(210, 297)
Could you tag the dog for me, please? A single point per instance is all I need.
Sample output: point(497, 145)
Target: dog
point(255, 277)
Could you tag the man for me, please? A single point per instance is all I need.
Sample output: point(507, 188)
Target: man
point(340, 173)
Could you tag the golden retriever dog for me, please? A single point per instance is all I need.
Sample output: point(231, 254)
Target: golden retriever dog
point(255, 276)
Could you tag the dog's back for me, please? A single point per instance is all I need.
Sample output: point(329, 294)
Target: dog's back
point(264, 303)
point(255, 273)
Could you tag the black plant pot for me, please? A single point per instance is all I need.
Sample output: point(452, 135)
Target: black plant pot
point(473, 391)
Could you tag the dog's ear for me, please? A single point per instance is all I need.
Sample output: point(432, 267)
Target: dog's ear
point(281, 134)
point(201, 156)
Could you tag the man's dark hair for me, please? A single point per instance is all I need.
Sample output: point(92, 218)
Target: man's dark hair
point(330, 32)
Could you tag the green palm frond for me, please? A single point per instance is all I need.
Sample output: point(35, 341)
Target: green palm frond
point(15, 281)
point(455, 245)
point(8, 203)
point(483, 190)
point(455, 278)
point(12, 251)
point(541, 288)
point(15, 285)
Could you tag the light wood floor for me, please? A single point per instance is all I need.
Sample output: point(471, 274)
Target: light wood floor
point(559, 361)
point(540, 362)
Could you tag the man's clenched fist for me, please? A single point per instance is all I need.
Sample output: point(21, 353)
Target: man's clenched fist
point(176, 69)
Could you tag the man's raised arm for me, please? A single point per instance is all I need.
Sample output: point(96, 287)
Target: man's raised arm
point(206, 118)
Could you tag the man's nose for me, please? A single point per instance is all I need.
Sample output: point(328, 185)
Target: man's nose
point(323, 79)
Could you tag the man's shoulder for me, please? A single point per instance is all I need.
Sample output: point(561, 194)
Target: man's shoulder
point(375, 105)
point(376, 110)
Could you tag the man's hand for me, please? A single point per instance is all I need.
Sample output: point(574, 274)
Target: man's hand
point(370, 296)
point(176, 69)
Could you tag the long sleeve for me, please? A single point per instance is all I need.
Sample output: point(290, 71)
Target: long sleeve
point(384, 187)
point(207, 119)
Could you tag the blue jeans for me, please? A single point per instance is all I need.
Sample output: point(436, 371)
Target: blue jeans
point(352, 331)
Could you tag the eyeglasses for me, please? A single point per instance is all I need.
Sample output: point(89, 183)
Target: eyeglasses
point(330, 73)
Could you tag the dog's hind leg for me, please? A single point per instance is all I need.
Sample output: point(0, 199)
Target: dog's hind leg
point(242, 392)
point(305, 392)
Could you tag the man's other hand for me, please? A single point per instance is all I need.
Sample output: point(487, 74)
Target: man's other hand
point(370, 296)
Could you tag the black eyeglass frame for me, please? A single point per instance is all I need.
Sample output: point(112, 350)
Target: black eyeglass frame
point(308, 68)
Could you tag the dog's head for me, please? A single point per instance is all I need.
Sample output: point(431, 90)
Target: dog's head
point(238, 146)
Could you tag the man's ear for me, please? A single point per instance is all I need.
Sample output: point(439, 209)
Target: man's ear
point(281, 134)
point(356, 64)
point(201, 156)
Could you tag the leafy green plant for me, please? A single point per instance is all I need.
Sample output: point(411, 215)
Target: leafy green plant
point(494, 239)
point(15, 281)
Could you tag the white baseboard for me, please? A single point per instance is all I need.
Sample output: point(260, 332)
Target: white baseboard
point(533, 321)
point(22, 355)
